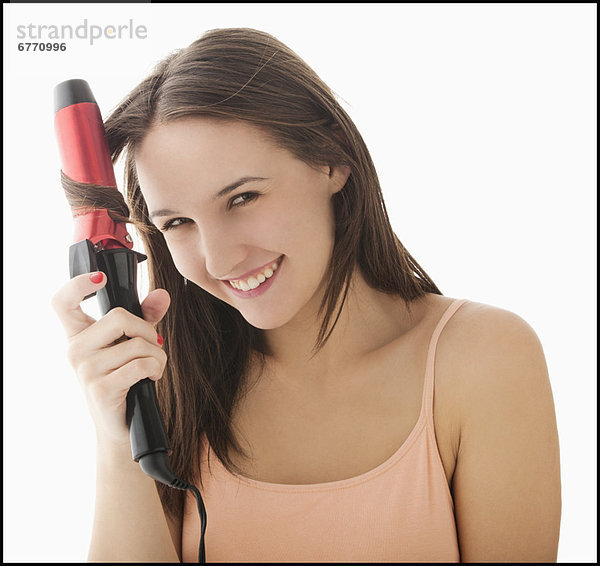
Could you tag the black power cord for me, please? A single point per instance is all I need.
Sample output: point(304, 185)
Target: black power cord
point(157, 467)
point(202, 513)
point(183, 485)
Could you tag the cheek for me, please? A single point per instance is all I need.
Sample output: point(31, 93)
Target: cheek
point(305, 218)
point(184, 257)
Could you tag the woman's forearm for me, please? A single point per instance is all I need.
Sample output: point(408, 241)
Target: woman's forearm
point(129, 521)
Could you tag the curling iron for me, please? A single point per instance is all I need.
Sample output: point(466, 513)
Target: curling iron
point(103, 244)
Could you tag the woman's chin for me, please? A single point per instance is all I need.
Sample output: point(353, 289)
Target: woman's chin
point(263, 323)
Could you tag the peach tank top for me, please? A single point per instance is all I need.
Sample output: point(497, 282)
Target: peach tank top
point(400, 511)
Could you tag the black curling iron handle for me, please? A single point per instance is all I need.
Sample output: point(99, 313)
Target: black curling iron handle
point(146, 429)
point(149, 442)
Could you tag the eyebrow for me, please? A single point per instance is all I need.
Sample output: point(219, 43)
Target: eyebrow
point(223, 192)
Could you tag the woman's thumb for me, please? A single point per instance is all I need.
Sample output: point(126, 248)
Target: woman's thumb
point(155, 305)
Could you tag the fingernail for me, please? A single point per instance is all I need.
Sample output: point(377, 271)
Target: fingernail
point(97, 277)
point(159, 339)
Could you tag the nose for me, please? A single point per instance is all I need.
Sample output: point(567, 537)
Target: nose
point(222, 251)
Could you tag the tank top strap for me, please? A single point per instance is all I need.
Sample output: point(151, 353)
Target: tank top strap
point(428, 385)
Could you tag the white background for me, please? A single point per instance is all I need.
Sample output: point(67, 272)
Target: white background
point(481, 120)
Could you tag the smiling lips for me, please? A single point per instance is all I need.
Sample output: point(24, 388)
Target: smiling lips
point(255, 280)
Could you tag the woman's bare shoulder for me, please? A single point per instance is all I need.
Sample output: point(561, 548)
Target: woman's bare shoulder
point(483, 332)
point(486, 353)
point(472, 321)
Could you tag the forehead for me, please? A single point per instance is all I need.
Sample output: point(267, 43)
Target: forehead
point(199, 137)
point(202, 151)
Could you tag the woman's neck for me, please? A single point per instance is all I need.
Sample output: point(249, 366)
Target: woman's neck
point(369, 320)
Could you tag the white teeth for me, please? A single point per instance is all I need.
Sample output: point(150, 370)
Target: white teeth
point(254, 281)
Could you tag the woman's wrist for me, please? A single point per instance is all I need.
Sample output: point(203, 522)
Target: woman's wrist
point(114, 453)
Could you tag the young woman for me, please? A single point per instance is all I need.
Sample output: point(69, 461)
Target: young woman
point(302, 344)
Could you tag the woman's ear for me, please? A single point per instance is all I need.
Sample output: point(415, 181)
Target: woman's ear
point(338, 176)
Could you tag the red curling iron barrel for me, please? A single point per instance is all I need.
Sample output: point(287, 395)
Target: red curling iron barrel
point(81, 138)
point(86, 159)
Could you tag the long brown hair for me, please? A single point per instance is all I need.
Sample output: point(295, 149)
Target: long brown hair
point(245, 74)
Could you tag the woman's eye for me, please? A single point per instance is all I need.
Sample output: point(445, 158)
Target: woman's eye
point(173, 223)
point(242, 199)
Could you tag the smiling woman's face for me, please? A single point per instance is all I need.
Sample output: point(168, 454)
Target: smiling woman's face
point(231, 204)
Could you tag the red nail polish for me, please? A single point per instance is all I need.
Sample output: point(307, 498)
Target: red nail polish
point(159, 339)
point(96, 277)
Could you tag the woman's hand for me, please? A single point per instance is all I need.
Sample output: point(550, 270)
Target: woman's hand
point(106, 364)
